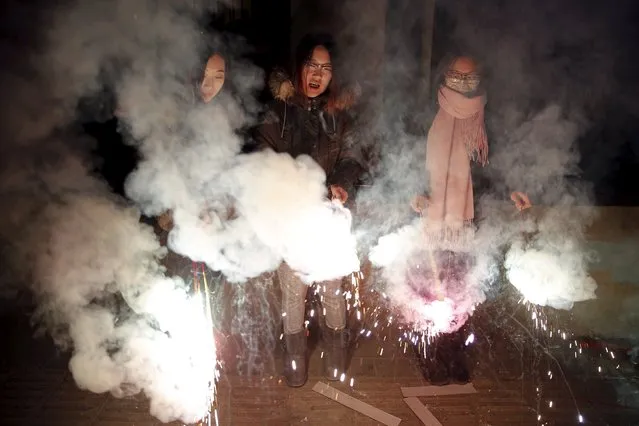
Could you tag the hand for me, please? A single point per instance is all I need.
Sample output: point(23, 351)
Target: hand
point(338, 193)
point(419, 203)
point(205, 217)
point(165, 220)
point(521, 200)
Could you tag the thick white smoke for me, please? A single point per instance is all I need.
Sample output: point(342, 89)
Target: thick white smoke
point(279, 213)
point(536, 113)
point(241, 216)
point(92, 266)
point(545, 254)
point(547, 259)
point(432, 305)
point(82, 251)
point(285, 202)
point(90, 249)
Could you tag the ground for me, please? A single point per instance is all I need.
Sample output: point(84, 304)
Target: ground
point(519, 372)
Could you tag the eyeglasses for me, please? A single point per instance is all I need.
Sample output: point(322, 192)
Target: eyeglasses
point(314, 66)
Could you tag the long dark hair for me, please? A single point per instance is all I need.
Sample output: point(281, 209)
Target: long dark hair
point(196, 76)
point(304, 53)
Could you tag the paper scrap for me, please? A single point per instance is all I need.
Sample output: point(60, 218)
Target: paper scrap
point(422, 413)
point(438, 390)
point(356, 404)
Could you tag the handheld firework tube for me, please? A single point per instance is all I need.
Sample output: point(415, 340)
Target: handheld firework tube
point(419, 205)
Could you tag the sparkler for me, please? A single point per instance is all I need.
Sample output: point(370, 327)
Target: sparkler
point(543, 332)
point(211, 416)
point(439, 288)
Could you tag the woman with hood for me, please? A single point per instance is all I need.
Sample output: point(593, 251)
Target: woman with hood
point(310, 116)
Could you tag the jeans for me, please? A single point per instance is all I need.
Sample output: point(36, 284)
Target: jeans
point(293, 301)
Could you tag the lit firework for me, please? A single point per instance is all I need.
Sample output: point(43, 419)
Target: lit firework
point(201, 290)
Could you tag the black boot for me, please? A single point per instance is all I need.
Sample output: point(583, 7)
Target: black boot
point(453, 354)
point(457, 365)
point(458, 370)
point(335, 344)
point(435, 372)
point(435, 369)
point(295, 371)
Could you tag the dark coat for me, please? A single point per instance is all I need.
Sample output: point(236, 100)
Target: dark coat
point(298, 125)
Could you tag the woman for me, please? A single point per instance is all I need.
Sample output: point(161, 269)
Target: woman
point(456, 138)
point(309, 116)
point(207, 86)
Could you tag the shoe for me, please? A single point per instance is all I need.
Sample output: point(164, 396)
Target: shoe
point(452, 354)
point(295, 368)
point(457, 369)
point(335, 343)
point(434, 370)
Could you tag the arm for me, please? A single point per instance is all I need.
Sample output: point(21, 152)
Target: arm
point(269, 132)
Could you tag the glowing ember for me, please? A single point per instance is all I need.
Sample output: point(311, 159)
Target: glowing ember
point(470, 339)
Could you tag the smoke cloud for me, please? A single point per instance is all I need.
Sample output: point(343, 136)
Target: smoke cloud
point(537, 111)
point(92, 266)
point(82, 251)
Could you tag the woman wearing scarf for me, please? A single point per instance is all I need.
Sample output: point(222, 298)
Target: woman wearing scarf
point(456, 138)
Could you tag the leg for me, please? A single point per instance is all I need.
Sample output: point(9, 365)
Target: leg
point(293, 294)
point(452, 351)
point(293, 297)
point(334, 303)
point(335, 336)
point(433, 368)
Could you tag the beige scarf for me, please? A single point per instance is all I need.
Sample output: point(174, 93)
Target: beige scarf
point(456, 137)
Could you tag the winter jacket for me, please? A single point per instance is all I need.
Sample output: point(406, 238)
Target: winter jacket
point(298, 125)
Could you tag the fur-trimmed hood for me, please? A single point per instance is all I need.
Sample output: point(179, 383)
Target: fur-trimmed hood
point(282, 89)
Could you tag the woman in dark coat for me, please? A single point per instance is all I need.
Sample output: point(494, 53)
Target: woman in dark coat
point(310, 116)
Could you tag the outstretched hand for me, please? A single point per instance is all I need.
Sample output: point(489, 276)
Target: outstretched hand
point(338, 193)
point(521, 200)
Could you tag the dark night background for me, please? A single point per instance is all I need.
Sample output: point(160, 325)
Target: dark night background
point(609, 149)
point(585, 51)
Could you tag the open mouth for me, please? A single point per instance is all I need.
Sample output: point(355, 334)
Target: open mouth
point(314, 85)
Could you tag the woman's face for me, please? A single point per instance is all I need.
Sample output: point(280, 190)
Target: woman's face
point(317, 72)
point(213, 79)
